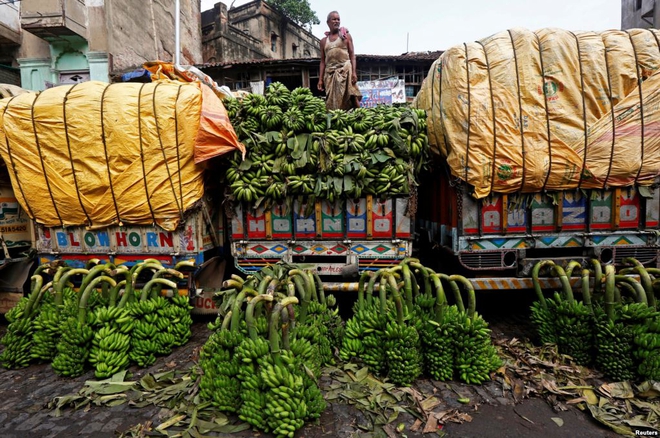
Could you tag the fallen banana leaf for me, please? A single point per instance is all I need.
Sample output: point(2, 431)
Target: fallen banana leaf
point(649, 389)
point(610, 421)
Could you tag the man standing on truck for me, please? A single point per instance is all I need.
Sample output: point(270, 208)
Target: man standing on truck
point(338, 71)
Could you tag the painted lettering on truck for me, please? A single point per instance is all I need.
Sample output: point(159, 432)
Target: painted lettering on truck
point(123, 239)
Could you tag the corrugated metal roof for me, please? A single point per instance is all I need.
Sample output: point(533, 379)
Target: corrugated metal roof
point(412, 56)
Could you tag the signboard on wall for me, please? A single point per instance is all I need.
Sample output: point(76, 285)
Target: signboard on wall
point(385, 92)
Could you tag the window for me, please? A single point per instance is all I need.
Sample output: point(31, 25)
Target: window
point(638, 5)
point(294, 50)
point(273, 42)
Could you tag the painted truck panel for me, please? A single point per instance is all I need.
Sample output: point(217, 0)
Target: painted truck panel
point(202, 231)
point(368, 233)
point(509, 232)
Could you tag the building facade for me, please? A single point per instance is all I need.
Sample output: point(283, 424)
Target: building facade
point(254, 30)
point(54, 42)
point(253, 75)
point(640, 14)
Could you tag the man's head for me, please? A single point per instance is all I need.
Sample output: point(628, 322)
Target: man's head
point(333, 21)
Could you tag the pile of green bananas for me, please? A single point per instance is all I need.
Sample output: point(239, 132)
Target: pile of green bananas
point(265, 357)
point(97, 326)
point(618, 330)
point(295, 147)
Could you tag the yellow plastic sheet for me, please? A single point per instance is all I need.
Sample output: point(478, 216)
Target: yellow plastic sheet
point(98, 154)
point(547, 110)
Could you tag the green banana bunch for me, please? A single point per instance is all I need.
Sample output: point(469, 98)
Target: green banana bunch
point(614, 355)
point(46, 327)
point(402, 343)
point(18, 343)
point(574, 328)
point(252, 104)
point(233, 107)
point(541, 316)
point(113, 326)
point(312, 346)
point(402, 347)
point(293, 120)
point(73, 348)
point(360, 120)
point(614, 339)
point(351, 344)
point(437, 345)
point(180, 320)
point(285, 405)
point(18, 340)
point(315, 121)
point(53, 311)
point(279, 95)
point(220, 363)
point(374, 323)
point(474, 355)
point(271, 117)
point(438, 322)
point(150, 335)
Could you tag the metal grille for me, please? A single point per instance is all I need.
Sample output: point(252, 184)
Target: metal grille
point(644, 254)
point(485, 260)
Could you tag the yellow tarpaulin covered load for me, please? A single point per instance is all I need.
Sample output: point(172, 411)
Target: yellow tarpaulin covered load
point(548, 110)
point(98, 154)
